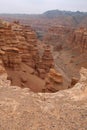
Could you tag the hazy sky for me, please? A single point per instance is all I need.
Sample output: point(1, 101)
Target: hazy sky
point(40, 6)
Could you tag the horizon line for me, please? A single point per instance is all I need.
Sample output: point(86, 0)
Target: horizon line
point(26, 13)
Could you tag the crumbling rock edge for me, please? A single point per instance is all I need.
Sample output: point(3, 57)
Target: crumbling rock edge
point(21, 109)
point(78, 90)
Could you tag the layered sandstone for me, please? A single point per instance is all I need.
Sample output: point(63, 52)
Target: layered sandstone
point(11, 58)
point(79, 39)
point(30, 35)
point(21, 56)
point(54, 81)
point(45, 62)
point(47, 59)
point(22, 38)
point(57, 36)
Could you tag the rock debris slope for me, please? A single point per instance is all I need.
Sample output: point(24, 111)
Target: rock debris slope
point(21, 109)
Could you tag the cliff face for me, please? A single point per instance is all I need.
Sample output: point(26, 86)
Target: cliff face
point(79, 39)
point(20, 55)
point(14, 44)
point(20, 42)
point(21, 109)
point(57, 35)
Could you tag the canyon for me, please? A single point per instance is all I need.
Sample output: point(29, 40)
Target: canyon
point(62, 48)
point(43, 71)
point(25, 59)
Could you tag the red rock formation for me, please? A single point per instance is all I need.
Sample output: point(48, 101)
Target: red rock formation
point(19, 49)
point(57, 35)
point(47, 59)
point(7, 37)
point(45, 63)
point(11, 58)
point(79, 39)
point(23, 38)
point(54, 81)
point(30, 35)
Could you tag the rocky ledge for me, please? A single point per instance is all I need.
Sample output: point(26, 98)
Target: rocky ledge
point(21, 109)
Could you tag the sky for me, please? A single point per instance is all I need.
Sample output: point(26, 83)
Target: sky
point(40, 6)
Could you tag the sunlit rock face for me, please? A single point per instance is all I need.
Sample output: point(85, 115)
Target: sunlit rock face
point(11, 58)
point(54, 81)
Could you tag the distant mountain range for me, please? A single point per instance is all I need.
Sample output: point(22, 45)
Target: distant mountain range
point(51, 17)
point(56, 13)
